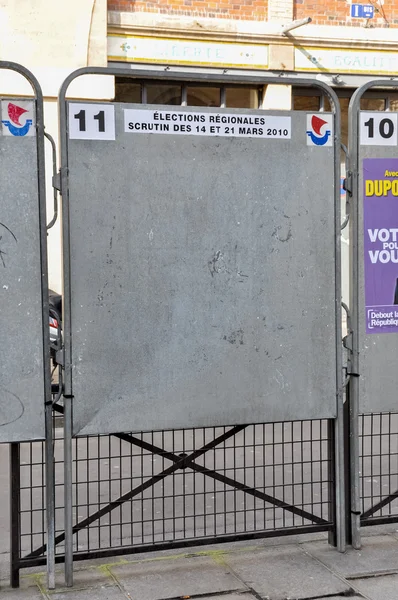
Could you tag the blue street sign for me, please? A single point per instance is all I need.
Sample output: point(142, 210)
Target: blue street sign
point(362, 11)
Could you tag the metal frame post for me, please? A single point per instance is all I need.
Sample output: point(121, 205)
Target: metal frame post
point(354, 296)
point(347, 471)
point(68, 483)
point(339, 421)
point(15, 516)
point(332, 536)
point(50, 497)
point(68, 459)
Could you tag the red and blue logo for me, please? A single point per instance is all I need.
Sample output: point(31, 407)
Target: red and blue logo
point(13, 123)
point(319, 130)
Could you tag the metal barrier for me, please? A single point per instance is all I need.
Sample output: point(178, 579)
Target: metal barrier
point(372, 183)
point(188, 250)
point(25, 389)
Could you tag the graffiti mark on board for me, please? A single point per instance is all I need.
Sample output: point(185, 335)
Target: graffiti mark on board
point(6, 236)
point(11, 407)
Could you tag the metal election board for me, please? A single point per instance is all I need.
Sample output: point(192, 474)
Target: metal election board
point(201, 266)
point(24, 357)
point(375, 260)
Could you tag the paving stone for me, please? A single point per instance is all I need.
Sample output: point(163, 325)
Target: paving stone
point(28, 590)
point(154, 580)
point(378, 553)
point(84, 578)
point(244, 596)
point(387, 528)
point(104, 592)
point(384, 587)
point(11, 594)
point(285, 572)
point(18, 594)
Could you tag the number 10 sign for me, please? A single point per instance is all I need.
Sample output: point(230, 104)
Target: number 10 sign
point(91, 121)
point(378, 129)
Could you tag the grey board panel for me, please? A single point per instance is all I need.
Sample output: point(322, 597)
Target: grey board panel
point(21, 329)
point(202, 280)
point(377, 352)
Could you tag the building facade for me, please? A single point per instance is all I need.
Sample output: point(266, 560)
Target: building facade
point(344, 45)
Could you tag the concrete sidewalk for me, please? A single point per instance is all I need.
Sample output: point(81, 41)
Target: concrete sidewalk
point(303, 568)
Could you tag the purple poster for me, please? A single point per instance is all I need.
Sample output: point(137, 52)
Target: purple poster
point(380, 215)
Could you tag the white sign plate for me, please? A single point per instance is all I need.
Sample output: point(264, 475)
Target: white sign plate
point(91, 121)
point(206, 123)
point(378, 129)
point(188, 52)
point(342, 60)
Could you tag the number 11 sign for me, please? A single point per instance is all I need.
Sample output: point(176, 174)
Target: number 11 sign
point(91, 121)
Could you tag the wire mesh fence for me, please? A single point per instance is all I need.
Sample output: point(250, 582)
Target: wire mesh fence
point(147, 491)
point(379, 468)
point(154, 490)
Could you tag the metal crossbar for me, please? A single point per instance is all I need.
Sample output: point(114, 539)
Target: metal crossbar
point(387, 500)
point(223, 479)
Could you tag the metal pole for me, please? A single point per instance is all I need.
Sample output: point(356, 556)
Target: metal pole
point(50, 498)
point(339, 421)
point(354, 378)
point(66, 319)
point(331, 433)
point(49, 456)
point(296, 24)
point(68, 492)
point(347, 472)
point(15, 507)
point(353, 113)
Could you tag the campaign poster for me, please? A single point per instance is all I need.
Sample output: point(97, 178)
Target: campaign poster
point(380, 214)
